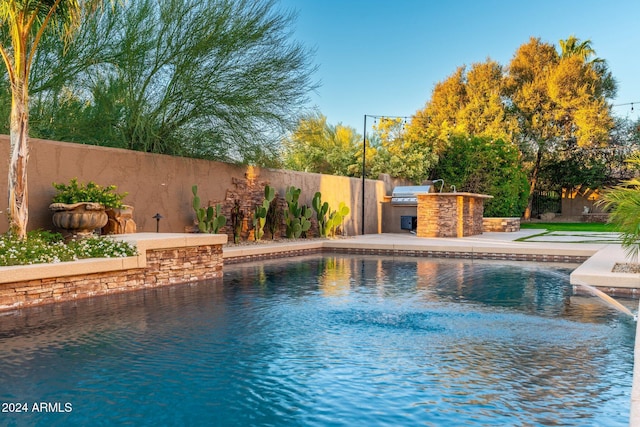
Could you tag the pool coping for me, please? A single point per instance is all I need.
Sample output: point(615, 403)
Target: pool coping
point(596, 259)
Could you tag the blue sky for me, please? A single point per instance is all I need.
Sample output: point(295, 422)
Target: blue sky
point(384, 57)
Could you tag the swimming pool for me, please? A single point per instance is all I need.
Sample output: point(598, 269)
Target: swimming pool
point(326, 341)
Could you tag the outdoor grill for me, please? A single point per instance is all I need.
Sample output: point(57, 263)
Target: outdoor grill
point(408, 195)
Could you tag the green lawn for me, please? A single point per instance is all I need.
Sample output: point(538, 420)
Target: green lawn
point(569, 226)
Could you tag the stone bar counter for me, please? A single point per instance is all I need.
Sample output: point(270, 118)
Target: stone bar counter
point(450, 214)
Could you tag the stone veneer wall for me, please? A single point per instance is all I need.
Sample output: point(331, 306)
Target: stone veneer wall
point(182, 265)
point(450, 214)
point(248, 193)
point(163, 266)
point(502, 225)
point(595, 217)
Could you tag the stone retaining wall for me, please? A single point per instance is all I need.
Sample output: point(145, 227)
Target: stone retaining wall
point(501, 225)
point(595, 217)
point(161, 262)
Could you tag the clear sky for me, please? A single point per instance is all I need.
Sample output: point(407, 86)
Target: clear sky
point(383, 57)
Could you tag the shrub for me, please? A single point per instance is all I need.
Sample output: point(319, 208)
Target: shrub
point(487, 166)
point(75, 192)
point(42, 247)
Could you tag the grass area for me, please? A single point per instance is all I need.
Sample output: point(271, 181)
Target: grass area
point(45, 247)
point(570, 226)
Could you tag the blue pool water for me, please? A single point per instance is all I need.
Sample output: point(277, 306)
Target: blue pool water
point(326, 341)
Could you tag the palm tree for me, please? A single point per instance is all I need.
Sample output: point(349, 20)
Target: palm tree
point(572, 46)
point(22, 25)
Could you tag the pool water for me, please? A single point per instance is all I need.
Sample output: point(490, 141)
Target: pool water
point(327, 341)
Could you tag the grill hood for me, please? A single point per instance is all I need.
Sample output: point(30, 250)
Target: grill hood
point(408, 195)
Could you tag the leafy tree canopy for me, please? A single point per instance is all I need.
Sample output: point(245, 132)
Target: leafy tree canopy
point(317, 146)
point(486, 166)
point(548, 103)
point(217, 79)
point(467, 102)
point(399, 153)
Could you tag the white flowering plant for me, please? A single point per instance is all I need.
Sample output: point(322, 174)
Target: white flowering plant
point(41, 247)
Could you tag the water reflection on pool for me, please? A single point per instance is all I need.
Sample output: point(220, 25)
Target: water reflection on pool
point(328, 340)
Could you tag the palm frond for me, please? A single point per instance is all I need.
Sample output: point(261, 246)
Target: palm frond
point(623, 204)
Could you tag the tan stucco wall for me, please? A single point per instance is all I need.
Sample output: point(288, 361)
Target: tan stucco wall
point(574, 202)
point(162, 184)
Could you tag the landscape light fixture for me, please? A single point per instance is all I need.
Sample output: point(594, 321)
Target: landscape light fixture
point(157, 217)
point(364, 153)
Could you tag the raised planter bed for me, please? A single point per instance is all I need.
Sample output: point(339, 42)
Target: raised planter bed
point(164, 259)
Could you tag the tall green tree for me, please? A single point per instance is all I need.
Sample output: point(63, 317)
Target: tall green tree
point(469, 102)
point(399, 154)
point(439, 119)
point(23, 24)
point(317, 146)
point(487, 166)
point(560, 103)
point(215, 79)
point(485, 113)
point(548, 103)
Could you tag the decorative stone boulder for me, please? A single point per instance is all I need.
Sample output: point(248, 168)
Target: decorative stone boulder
point(547, 216)
point(120, 221)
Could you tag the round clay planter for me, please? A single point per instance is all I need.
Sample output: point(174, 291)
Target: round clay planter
point(79, 219)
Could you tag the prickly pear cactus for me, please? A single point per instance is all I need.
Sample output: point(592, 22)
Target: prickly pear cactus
point(336, 218)
point(293, 213)
point(210, 219)
point(305, 220)
point(321, 213)
point(260, 214)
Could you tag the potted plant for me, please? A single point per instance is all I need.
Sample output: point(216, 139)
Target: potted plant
point(79, 209)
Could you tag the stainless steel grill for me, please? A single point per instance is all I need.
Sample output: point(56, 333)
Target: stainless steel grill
point(408, 195)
